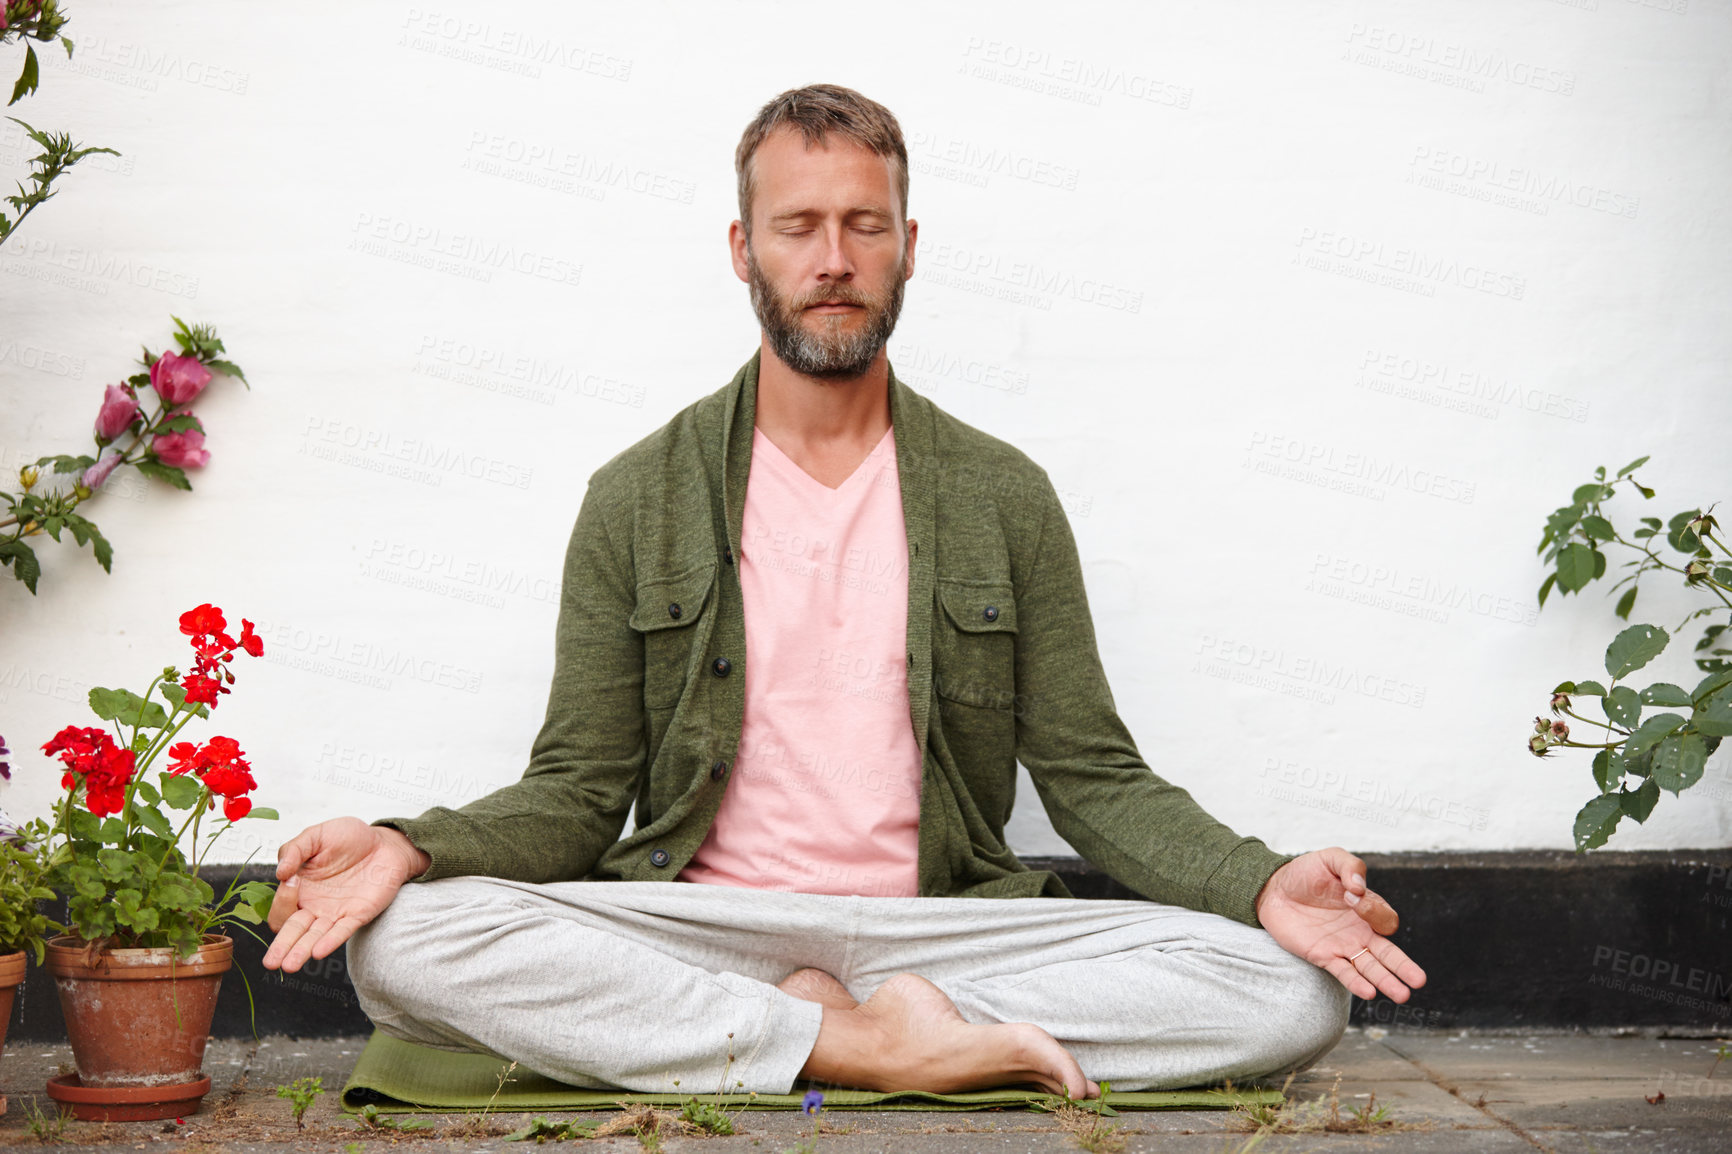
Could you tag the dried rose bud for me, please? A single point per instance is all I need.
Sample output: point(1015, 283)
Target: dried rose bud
point(1538, 745)
point(1695, 571)
point(1703, 525)
point(1560, 702)
point(1541, 725)
point(1560, 731)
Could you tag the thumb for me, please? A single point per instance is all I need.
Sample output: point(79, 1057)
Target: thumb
point(292, 854)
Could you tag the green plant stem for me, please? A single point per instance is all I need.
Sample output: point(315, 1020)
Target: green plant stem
point(126, 458)
point(1591, 721)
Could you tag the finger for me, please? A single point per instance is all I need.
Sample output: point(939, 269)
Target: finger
point(284, 943)
point(1398, 963)
point(1345, 866)
point(303, 947)
point(295, 851)
point(339, 933)
point(284, 902)
point(1375, 972)
point(1378, 913)
point(1347, 975)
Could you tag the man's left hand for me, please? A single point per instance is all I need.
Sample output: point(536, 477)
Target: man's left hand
point(1317, 907)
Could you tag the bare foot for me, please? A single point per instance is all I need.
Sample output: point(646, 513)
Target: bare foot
point(909, 1036)
point(819, 986)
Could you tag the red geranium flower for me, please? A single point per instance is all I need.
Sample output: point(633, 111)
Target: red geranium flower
point(204, 619)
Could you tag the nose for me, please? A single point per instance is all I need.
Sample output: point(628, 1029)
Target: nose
point(835, 264)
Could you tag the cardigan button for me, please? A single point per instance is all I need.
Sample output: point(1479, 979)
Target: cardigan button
point(659, 857)
point(720, 666)
point(718, 770)
point(990, 613)
point(674, 610)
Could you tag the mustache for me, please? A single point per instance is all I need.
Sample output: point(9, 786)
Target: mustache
point(836, 294)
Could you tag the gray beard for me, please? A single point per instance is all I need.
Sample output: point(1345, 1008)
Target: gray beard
point(824, 355)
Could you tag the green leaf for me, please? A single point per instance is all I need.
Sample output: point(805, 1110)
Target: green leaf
point(1596, 821)
point(145, 793)
point(1715, 720)
point(155, 821)
point(181, 424)
point(1608, 769)
point(127, 707)
point(180, 791)
point(1634, 648)
point(1590, 689)
point(27, 79)
point(263, 811)
point(1639, 802)
point(1643, 489)
point(1575, 567)
point(1650, 732)
point(1588, 494)
point(1626, 603)
point(1665, 693)
point(1679, 535)
point(1712, 686)
point(151, 467)
point(177, 697)
point(1722, 574)
point(1678, 761)
point(1623, 706)
point(1632, 467)
point(230, 368)
point(1546, 587)
point(1598, 528)
point(22, 558)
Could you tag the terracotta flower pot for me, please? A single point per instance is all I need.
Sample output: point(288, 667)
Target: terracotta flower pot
point(137, 1019)
point(11, 974)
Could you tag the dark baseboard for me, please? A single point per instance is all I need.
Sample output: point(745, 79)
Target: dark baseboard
point(1538, 939)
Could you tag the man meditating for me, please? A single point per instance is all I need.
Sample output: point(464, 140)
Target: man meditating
point(808, 629)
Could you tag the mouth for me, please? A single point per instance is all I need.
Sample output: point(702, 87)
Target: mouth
point(831, 306)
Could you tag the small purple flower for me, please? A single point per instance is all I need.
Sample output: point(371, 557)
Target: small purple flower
point(814, 1102)
point(5, 770)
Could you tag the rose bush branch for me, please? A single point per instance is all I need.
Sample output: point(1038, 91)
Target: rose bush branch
point(1658, 750)
point(37, 20)
point(116, 854)
point(162, 440)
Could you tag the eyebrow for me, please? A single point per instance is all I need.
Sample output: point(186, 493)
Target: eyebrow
point(800, 214)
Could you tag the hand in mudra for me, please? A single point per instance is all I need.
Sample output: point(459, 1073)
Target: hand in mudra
point(1317, 907)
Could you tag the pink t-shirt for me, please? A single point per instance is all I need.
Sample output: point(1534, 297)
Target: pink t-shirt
point(825, 791)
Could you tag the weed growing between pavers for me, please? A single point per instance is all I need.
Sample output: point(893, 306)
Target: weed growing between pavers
point(1320, 1115)
point(302, 1092)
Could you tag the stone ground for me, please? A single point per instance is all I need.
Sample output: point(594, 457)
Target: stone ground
point(1445, 1092)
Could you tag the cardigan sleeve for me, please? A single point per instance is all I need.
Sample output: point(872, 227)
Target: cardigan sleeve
point(584, 766)
point(1100, 795)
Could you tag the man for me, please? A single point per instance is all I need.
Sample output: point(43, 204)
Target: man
point(807, 629)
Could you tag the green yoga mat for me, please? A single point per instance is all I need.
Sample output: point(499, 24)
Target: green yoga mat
point(399, 1077)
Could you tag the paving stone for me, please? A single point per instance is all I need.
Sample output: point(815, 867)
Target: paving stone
point(1480, 1056)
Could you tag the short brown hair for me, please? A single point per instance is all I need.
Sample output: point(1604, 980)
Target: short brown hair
point(817, 110)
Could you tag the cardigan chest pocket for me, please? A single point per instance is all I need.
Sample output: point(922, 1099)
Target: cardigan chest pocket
point(974, 643)
point(667, 610)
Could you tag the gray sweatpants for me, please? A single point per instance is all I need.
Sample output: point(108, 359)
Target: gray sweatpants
point(635, 985)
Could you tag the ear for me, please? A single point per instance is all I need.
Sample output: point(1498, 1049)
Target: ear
point(737, 250)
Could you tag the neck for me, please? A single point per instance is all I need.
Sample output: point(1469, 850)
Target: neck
point(799, 412)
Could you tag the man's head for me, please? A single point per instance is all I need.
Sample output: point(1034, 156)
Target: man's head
point(823, 237)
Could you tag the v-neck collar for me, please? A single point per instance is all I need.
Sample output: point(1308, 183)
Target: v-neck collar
point(787, 465)
point(912, 422)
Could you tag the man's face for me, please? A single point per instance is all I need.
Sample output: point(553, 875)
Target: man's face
point(828, 257)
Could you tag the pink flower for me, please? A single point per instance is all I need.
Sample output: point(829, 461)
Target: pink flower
point(182, 450)
point(119, 410)
point(98, 473)
point(177, 379)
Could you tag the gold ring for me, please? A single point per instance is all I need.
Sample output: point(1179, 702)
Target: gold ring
point(1366, 950)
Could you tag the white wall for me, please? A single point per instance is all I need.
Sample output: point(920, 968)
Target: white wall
point(1207, 163)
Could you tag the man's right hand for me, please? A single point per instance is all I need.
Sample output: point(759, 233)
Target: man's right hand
point(333, 878)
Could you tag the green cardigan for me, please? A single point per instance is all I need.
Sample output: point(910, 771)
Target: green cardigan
point(649, 664)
